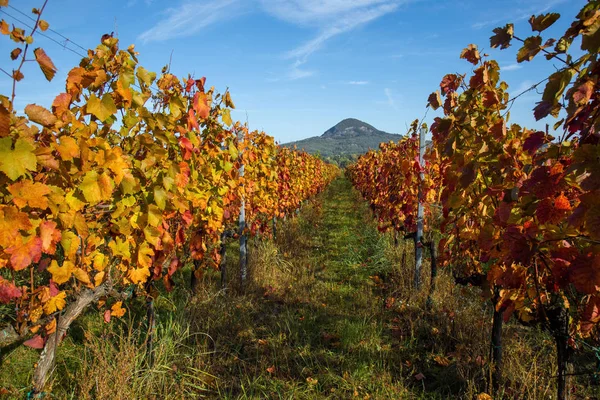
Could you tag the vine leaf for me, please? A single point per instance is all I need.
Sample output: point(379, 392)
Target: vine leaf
point(16, 162)
point(543, 21)
point(502, 37)
point(45, 63)
point(40, 115)
point(530, 49)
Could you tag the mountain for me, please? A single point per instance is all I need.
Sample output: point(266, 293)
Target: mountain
point(347, 138)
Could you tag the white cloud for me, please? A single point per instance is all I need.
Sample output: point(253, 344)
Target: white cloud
point(191, 17)
point(329, 18)
point(298, 73)
point(390, 98)
point(359, 83)
point(511, 67)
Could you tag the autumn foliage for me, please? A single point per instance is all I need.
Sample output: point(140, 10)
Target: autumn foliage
point(126, 178)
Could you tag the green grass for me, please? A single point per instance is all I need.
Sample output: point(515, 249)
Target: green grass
point(328, 313)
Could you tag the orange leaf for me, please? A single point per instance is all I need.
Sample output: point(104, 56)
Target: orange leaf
point(46, 64)
point(40, 115)
point(117, 310)
point(11, 222)
point(29, 193)
point(25, 253)
point(50, 236)
point(200, 105)
point(4, 122)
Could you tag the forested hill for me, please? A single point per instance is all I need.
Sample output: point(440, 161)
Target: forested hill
point(349, 137)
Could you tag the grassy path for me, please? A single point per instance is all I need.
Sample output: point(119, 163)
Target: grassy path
point(321, 335)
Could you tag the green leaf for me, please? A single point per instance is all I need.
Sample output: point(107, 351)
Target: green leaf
point(15, 163)
point(101, 109)
point(160, 197)
point(145, 77)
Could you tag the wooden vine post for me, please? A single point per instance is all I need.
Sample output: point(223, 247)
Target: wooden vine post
point(242, 225)
point(419, 234)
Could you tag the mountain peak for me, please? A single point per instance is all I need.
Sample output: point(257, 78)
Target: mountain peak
point(351, 127)
point(348, 137)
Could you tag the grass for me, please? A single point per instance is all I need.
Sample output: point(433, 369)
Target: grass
point(328, 313)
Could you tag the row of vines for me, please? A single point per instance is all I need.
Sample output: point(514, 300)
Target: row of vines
point(125, 179)
point(518, 209)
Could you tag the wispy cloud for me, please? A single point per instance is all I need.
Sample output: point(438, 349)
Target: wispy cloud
point(360, 83)
point(330, 17)
point(390, 98)
point(190, 17)
point(511, 67)
point(296, 72)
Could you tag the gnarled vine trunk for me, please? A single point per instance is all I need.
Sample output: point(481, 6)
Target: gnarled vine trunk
point(70, 314)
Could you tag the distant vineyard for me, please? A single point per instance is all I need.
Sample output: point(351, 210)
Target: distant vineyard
point(128, 177)
point(519, 209)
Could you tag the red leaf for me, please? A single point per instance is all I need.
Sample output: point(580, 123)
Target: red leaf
point(471, 54)
point(187, 148)
point(8, 291)
point(450, 83)
point(534, 142)
point(36, 342)
point(107, 316)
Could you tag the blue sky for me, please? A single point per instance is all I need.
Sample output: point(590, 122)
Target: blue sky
point(297, 67)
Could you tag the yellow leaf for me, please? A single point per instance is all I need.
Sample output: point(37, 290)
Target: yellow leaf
point(117, 310)
point(154, 215)
point(82, 276)
point(139, 275)
point(227, 117)
point(96, 188)
point(99, 262)
point(101, 109)
point(16, 162)
point(99, 278)
point(70, 243)
point(55, 303)
point(120, 248)
point(35, 314)
point(62, 274)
